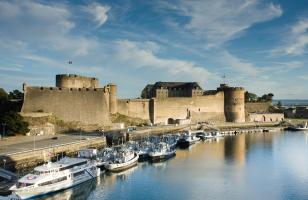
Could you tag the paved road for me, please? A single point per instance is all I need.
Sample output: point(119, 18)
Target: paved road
point(28, 143)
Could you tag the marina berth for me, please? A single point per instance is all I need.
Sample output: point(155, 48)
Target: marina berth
point(53, 177)
point(162, 152)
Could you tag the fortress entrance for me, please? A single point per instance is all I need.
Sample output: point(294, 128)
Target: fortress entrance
point(171, 121)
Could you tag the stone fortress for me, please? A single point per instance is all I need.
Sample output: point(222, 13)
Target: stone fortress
point(80, 99)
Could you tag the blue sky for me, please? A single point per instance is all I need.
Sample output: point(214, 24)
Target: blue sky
point(260, 45)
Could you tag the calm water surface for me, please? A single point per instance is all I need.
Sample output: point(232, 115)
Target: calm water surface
point(253, 166)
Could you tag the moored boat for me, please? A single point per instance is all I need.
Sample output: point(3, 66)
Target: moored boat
point(187, 139)
point(123, 159)
point(144, 149)
point(303, 127)
point(162, 152)
point(53, 177)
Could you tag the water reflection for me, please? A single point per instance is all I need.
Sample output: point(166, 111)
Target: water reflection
point(79, 192)
point(251, 166)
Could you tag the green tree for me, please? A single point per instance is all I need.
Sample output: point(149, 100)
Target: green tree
point(14, 122)
point(3, 95)
point(16, 94)
point(250, 97)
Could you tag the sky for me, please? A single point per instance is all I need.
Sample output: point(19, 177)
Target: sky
point(261, 45)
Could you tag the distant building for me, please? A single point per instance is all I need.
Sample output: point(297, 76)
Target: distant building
point(172, 89)
point(296, 112)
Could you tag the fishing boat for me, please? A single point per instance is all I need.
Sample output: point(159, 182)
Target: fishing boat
point(104, 156)
point(53, 177)
point(171, 140)
point(144, 149)
point(187, 139)
point(303, 127)
point(123, 159)
point(162, 152)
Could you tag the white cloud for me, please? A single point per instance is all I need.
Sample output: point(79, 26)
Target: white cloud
point(223, 20)
point(42, 26)
point(141, 55)
point(303, 77)
point(48, 62)
point(236, 64)
point(99, 12)
point(296, 40)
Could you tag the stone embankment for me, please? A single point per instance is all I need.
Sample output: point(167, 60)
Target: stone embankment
point(29, 159)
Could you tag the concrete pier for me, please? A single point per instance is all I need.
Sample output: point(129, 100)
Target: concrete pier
point(31, 158)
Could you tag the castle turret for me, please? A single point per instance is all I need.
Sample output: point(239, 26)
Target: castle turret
point(234, 103)
point(113, 106)
point(75, 81)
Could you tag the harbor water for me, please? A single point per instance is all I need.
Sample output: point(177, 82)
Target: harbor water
point(247, 166)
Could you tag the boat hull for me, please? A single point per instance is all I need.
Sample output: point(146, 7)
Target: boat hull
point(161, 158)
point(185, 144)
point(122, 166)
point(42, 191)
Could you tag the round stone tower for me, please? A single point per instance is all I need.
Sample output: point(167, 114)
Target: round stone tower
point(113, 104)
point(234, 103)
point(75, 81)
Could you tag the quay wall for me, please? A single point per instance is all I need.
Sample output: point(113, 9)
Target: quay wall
point(82, 105)
point(199, 108)
point(32, 158)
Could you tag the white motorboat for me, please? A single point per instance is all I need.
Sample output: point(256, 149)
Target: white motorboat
point(161, 152)
point(123, 159)
point(144, 149)
point(171, 140)
point(52, 177)
point(303, 127)
point(104, 156)
point(187, 139)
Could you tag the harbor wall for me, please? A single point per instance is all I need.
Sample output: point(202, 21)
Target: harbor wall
point(32, 158)
point(82, 105)
point(265, 117)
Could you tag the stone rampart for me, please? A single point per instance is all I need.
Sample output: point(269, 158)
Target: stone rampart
point(257, 107)
point(76, 81)
point(202, 108)
point(82, 105)
point(136, 108)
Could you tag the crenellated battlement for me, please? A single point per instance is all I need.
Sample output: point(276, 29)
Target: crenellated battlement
point(76, 81)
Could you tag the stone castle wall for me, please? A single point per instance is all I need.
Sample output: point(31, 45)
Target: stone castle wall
point(137, 108)
point(84, 105)
point(257, 107)
point(76, 81)
point(203, 108)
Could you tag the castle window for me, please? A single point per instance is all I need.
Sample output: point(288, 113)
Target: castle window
point(60, 88)
point(95, 89)
point(199, 110)
point(79, 89)
point(71, 89)
point(42, 88)
point(87, 89)
point(51, 88)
